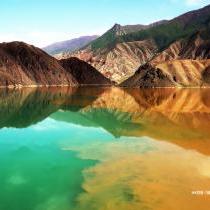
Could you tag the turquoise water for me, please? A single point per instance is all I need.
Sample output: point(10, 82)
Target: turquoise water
point(103, 148)
point(35, 172)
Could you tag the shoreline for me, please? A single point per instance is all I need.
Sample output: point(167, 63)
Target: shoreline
point(46, 86)
point(100, 85)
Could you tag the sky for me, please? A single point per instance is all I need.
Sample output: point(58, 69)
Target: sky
point(42, 22)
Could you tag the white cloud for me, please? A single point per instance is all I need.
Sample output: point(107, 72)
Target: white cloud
point(191, 3)
point(196, 2)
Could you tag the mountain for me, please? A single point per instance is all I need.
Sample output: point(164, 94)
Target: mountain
point(25, 65)
point(116, 33)
point(185, 62)
point(166, 53)
point(182, 73)
point(83, 72)
point(69, 45)
point(114, 59)
point(120, 62)
point(194, 47)
point(175, 29)
point(118, 55)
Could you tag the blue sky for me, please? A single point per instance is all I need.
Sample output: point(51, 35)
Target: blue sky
point(41, 22)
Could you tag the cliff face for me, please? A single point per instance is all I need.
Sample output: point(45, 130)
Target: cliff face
point(25, 65)
point(83, 72)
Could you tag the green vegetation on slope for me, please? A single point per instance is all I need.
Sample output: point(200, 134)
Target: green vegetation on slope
point(107, 40)
point(163, 34)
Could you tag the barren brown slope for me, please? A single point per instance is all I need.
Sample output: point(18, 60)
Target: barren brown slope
point(183, 63)
point(184, 73)
point(148, 76)
point(25, 65)
point(83, 72)
point(121, 61)
point(195, 47)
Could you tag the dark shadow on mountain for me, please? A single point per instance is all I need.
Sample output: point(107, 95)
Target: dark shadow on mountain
point(206, 75)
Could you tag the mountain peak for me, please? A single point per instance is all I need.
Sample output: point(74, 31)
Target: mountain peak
point(117, 29)
point(116, 25)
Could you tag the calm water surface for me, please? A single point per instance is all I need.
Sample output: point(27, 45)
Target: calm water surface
point(104, 149)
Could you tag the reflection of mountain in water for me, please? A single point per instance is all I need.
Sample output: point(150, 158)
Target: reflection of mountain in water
point(24, 107)
point(21, 108)
point(178, 115)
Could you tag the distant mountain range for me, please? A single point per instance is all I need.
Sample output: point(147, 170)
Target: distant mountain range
point(69, 45)
point(167, 53)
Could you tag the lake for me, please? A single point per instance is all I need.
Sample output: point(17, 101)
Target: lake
point(107, 148)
